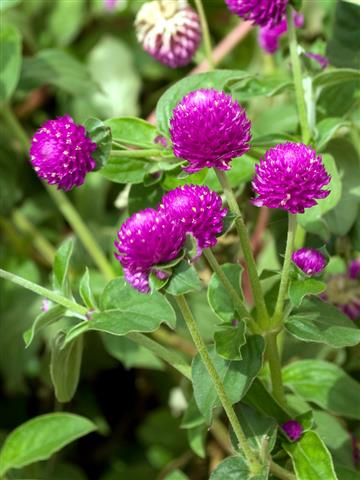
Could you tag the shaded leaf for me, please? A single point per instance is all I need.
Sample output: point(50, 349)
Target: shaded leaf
point(300, 288)
point(235, 468)
point(230, 339)
point(184, 279)
point(10, 47)
point(44, 319)
point(101, 135)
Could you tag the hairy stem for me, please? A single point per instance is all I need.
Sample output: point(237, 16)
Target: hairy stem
point(261, 309)
point(136, 153)
point(273, 357)
point(280, 472)
point(205, 33)
point(250, 456)
point(297, 74)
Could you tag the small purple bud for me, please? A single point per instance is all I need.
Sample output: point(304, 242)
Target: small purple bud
point(310, 261)
point(293, 429)
point(291, 177)
point(161, 140)
point(320, 59)
point(354, 269)
point(45, 305)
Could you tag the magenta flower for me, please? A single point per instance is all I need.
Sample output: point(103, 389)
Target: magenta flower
point(169, 31)
point(200, 211)
point(354, 269)
point(60, 153)
point(269, 36)
point(260, 12)
point(310, 261)
point(208, 129)
point(320, 59)
point(293, 429)
point(146, 239)
point(291, 177)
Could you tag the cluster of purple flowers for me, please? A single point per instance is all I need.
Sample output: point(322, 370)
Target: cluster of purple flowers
point(151, 237)
point(260, 12)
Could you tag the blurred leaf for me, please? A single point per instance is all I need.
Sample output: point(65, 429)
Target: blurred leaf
point(343, 47)
point(192, 417)
point(61, 265)
point(300, 288)
point(324, 384)
point(242, 170)
point(101, 135)
point(10, 47)
point(318, 321)
point(311, 459)
point(176, 475)
point(133, 131)
point(44, 319)
point(217, 79)
point(235, 468)
point(130, 354)
point(184, 279)
point(59, 69)
point(65, 20)
point(40, 437)
point(344, 473)
point(219, 299)
point(260, 86)
point(230, 339)
point(258, 397)
point(236, 376)
point(5, 4)
point(85, 290)
point(326, 129)
point(141, 197)
point(331, 77)
point(65, 365)
point(196, 439)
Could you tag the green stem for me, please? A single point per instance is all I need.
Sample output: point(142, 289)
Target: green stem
point(297, 74)
point(250, 456)
point(205, 33)
point(284, 282)
point(280, 472)
point(136, 153)
point(238, 303)
point(84, 234)
point(263, 316)
point(15, 126)
point(273, 357)
point(42, 245)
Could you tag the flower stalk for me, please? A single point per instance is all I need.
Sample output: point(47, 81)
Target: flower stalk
point(205, 33)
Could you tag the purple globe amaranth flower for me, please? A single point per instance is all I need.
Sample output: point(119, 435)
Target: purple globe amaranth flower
point(200, 211)
point(169, 31)
point(208, 129)
point(60, 153)
point(146, 239)
point(269, 36)
point(291, 177)
point(260, 12)
point(310, 261)
point(293, 429)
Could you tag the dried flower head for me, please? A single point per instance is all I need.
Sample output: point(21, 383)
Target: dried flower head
point(146, 239)
point(208, 129)
point(168, 31)
point(61, 153)
point(310, 261)
point(200, 211)
point(293, 429)
point(260, 12)
point(291, 177)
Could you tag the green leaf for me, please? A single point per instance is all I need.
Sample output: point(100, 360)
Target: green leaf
point(235, 468)
point(44, 319)
point(258, 397)
point(184, 279)
point(311, 459)
point(192, 416)
point(65, 365)
point(61, 265)
point(230, 339)
point(217, 79)
point(125, 170)
point(219, 299)
point(318, 321)
point(196, 439)
point(59, 69)
point(85, 290)
point(5, 4)
point(133, 131)
point(176, 475)
point(40, 437)
point(344, 473)
point(333, 77)
point(101, 135)
point(324, 384)
point(300, 288)
point(10, 47)
point(125, 310)
point(64, 32)
point(260, 86)
point(236, 376)
point(130, 354)
point(326, 129)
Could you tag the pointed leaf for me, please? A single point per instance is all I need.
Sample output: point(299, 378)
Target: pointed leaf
point(184, 279)
point(300, 288)
point(43, 320)
point(235, 468)
point(230, 339)
point(61, 264)
point(85, 290)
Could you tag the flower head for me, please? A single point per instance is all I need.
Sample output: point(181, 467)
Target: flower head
point(146, 239)
point(310, 261)
point(293, 429)
point(208, 129)
point(269, 35)
point(291, 177)
point(200, 211)
point(260, 12)
point(169, 31)
point(61, 153)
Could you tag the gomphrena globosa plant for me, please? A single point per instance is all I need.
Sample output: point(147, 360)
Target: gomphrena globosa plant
point(209, 243)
